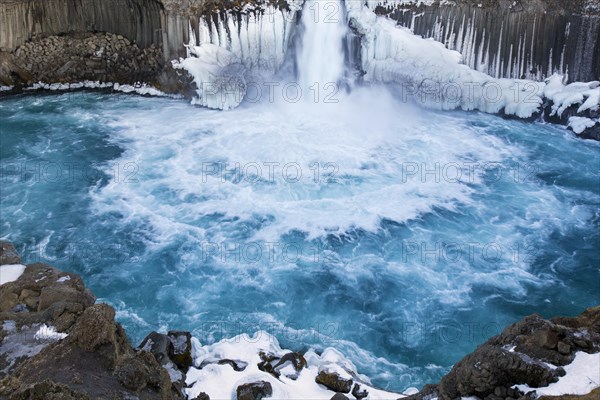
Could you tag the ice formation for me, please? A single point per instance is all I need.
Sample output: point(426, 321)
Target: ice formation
point(259, 38)
point(218, 74)
point(220, 380)
point(46, 332)
point(227, 52)
point(433, 75)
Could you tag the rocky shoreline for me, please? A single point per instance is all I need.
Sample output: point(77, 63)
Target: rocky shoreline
point(57, 343)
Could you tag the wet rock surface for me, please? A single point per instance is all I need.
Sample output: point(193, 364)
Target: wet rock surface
point(520, 355)
point(57, 344)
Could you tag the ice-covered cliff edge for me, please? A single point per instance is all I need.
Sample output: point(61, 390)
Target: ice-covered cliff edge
point(530, 39)
point(423, 70)
point(226, 49)
point(437, 77)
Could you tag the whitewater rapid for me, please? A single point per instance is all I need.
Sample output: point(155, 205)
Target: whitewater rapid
point(376, 249)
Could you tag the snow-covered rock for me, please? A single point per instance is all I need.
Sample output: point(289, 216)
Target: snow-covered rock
point(220, 368)
point(580, 124)
point(581, 377)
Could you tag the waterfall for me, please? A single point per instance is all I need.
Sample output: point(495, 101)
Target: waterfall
point(320, 57)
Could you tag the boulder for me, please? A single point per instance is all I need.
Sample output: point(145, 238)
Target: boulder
point(339, 396)
point(55, 293)
point(274, 365)
point(254, 391)
point(97, 331)
point(357, 393)
point(332, 381)
point(141, 370)
point(8, 254)
point(181, 351)
point(159, 345)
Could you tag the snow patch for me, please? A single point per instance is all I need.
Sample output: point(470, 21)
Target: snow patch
point(139, 88)
point(10, 272)
point(64, 279)
point(580, 124)
point(582, 376)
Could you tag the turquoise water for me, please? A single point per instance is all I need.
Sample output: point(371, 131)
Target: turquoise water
point(401, 237)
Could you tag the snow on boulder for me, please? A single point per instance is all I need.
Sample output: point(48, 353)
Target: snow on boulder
point(581, 377)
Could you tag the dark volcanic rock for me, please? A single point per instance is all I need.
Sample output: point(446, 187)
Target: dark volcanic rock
point(332, 381)
point(481, 372)
point(181, 351)
point(159, 345)
point(296, 359)
point(96, 331)
point(274, 365)
point(519, 356)
point(140, 371)
point(8, 254)
point(94, 361)
point(254, 391)
point(339, 396)
point(49, 390)
point(359, 394)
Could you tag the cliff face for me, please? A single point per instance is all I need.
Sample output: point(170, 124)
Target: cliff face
point(23, 20)
point(504, 38)
point(528, 39)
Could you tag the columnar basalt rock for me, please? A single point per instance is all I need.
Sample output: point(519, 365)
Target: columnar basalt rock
point(528, 39)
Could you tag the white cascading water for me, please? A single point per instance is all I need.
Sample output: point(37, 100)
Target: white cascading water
point(320, 58)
